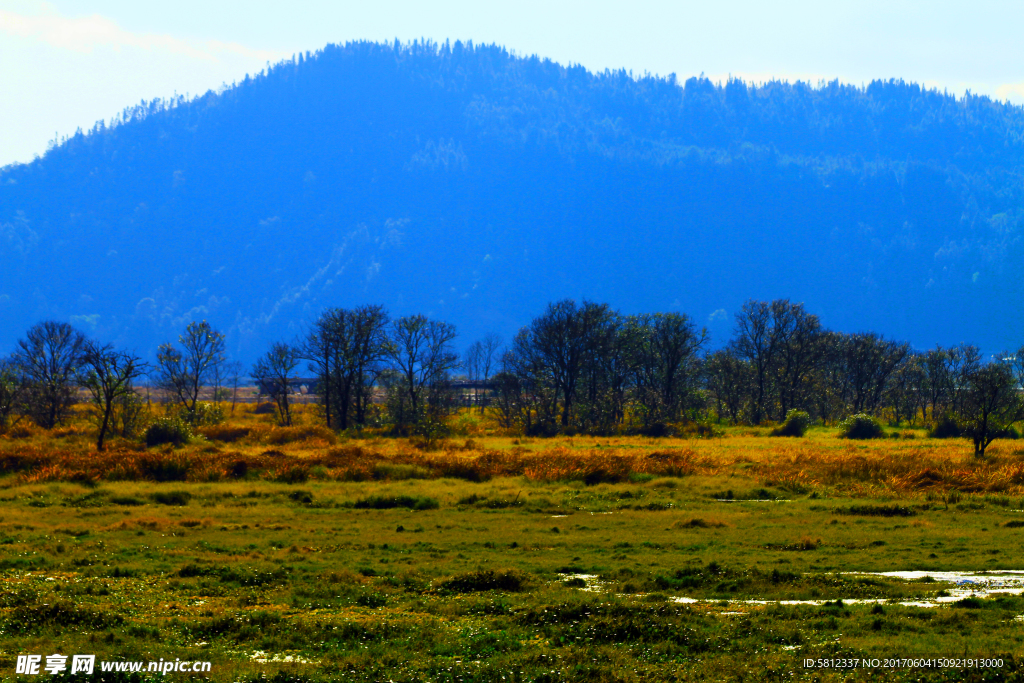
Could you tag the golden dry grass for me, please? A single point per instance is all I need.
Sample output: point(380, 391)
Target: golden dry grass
point(250, 445)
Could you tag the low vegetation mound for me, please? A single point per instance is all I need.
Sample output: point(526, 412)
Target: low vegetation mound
point(172, 430)
point(487, 580)
point(861, 426)
point(796, 424)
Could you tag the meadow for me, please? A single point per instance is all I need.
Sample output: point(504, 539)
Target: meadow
point(297, 554)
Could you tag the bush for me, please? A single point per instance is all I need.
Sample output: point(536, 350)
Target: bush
point(171, 497)
point(1009, 433)
point(204, 415)
point(861, 426)
point(488, 580)
point(946, 428)
point(658, 430)
point(168, 430)
point(796, 424)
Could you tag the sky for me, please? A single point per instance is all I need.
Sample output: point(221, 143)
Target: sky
point(66, 64)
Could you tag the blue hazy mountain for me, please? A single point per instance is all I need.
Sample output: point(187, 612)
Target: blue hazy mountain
point(475, 186)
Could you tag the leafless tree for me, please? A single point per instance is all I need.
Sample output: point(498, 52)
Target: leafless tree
point(109, 376)
point(345, 348)
point(183, 372)
point(422, 355)
point(49, 359)
point(871, 360)
point(274, 373)
point(757, 341)
point(558, 344)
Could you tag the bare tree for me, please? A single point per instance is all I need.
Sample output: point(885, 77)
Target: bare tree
point(274, 373)
point(800, 338)
point(871, 361)
point(757, 341)
point(558, 344)
point(422, 354)
point(49, 359)
point(344, 349)
point(184, 371)
point(320, 348)
point(109, 376)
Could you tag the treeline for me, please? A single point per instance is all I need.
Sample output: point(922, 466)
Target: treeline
point(585, 367)
point(578, 367)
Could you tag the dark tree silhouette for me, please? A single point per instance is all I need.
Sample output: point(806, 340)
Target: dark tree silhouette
point(50, 358)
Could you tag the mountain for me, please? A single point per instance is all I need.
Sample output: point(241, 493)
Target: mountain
point(475, 186)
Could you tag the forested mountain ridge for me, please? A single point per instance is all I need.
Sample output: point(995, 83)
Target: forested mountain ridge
point(475, 186)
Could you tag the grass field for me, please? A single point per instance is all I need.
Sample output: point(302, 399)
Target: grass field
point(295, 554)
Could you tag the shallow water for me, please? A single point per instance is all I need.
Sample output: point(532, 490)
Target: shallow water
point(592, 580)
point(965, 585)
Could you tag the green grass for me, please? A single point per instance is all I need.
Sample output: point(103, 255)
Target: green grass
point(441, 568)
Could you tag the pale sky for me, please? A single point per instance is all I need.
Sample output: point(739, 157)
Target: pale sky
point(66, 64)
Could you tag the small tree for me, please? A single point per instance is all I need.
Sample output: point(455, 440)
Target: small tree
point(991, 404)
point(109, 376)
point(184, 371)
point(49, 359)
point(274, 373)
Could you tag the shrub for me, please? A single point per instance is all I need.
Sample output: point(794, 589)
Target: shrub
point(796, 424)
point(205, 414)
point(168, 430)
point(861, 426)
point(1008, 433)
point(658, 430)
point(172, 497)
point(946, 428)
point(488, 580)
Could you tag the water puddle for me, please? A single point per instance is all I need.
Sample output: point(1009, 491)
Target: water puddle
point(964, 585)
point(591, 582)
point(262, 657)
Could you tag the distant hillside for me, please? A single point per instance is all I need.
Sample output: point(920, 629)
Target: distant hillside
point(475, 186)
